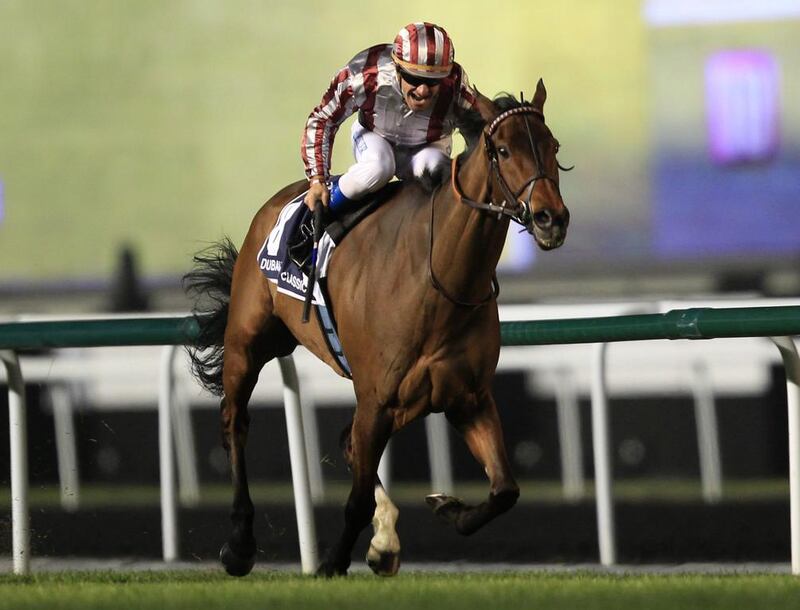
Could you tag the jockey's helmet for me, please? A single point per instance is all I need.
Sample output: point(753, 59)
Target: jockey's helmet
point(425, 50)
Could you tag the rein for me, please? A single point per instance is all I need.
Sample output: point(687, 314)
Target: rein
point(521, 212)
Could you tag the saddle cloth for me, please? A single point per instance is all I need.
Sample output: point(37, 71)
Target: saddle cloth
point(274, 260)
point(278, 267)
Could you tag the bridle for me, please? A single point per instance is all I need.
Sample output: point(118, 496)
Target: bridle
point(520, 212)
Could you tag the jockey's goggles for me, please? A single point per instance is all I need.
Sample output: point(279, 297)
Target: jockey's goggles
point(417, 81)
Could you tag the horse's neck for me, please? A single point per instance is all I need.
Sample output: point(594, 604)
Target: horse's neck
point(468, 242)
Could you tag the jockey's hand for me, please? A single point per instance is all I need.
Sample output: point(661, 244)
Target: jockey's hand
point(317, 191)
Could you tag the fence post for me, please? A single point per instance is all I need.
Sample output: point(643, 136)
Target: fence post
point(441, 464)
point(61, 400)
point(569, 434)
point(602, 458)
point(311, 435)
point(705, 416)
point(791, 362)
point(183, 437)
point(304, 509)
point(18, 436)
point(169, 511)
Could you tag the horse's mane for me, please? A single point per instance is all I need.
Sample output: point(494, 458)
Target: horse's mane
point(471, 123)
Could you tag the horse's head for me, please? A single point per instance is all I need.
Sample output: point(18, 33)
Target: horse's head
point(523, 166)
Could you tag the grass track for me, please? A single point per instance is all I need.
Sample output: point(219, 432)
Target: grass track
point(585, 591)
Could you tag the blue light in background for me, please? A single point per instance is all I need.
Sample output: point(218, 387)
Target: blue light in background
point(742, 106)
point(519, 254)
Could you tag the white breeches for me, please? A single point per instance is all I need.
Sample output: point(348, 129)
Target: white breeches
point(377, 161)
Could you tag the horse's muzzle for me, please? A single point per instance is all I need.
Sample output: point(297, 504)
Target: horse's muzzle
point(549, 228)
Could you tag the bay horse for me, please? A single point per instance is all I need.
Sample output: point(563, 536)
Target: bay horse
point(413, 289)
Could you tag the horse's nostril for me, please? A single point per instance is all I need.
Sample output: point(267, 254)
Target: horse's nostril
point(543, 219)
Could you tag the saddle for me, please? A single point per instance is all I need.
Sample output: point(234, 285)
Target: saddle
point(300, 244)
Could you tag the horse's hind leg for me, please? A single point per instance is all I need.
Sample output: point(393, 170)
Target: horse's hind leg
point(248, 346)
point(484, 437)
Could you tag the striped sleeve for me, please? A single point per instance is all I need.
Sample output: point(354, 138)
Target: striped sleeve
point(467, 96)
point(337, 104)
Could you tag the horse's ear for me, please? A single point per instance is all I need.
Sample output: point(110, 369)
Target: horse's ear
point(485, 106)
point(540, 96)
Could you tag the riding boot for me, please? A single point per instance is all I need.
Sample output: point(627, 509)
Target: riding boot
point(339, 203)
point(300, 245)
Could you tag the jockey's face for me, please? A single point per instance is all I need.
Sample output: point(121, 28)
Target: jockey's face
point(418, 93)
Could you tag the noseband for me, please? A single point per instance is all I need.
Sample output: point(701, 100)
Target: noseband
point(520, 211)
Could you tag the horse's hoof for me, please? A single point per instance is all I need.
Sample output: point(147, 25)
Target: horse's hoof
point(236, 565)
point(444, 506)
point(383, 564)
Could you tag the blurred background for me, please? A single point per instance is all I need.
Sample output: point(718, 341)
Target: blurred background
point(133, 134)
point(163, 126)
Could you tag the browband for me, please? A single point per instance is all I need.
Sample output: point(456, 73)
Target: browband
point(518, 110)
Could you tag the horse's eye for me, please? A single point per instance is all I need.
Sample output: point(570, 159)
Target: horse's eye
point(557, 146)
point(503, 152)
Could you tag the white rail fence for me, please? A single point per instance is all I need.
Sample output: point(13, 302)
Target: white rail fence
point(77, 378)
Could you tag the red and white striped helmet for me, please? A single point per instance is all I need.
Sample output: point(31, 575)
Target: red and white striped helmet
point(424, 49)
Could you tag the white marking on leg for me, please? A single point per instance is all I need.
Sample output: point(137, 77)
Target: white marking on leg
point(384, 548)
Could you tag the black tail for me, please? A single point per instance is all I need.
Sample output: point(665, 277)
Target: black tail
point(208, 284)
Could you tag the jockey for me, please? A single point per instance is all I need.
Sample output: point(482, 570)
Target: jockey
point(408, 96)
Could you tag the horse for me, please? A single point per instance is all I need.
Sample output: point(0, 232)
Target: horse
point(413, 288)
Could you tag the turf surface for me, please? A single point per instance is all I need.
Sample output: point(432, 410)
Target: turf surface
point(209, 590)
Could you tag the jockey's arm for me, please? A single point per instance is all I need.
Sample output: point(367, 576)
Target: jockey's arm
point(317, 144)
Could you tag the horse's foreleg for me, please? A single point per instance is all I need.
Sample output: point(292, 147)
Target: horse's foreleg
point(484, 437)
point(383, 555)
point(368, 437)
point(238, 553)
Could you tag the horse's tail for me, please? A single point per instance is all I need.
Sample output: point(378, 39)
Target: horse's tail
point(208, 284)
